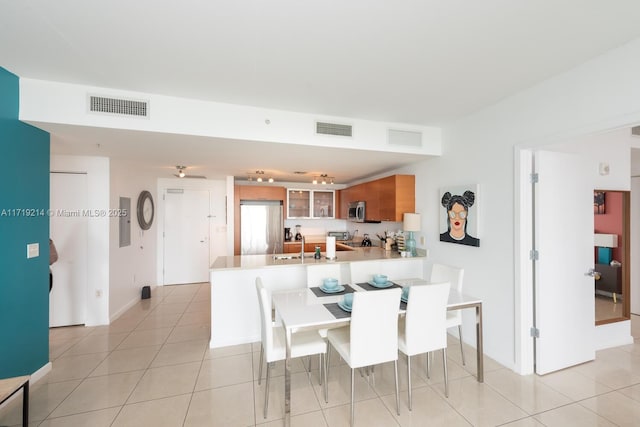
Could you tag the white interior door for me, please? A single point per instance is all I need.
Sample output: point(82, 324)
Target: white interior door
point(68, 229)
point(564, 294)
point(186, 236)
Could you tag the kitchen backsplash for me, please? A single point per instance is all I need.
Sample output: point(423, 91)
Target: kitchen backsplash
point(316, 227)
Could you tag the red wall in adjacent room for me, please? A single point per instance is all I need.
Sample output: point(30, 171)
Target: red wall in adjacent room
point(611, 221)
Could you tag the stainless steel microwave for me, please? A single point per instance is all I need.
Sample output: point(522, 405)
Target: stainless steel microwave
point(357, 211)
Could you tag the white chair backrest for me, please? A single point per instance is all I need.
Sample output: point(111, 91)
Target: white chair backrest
point(396, 269)
point(264, 299)
point(425, 321)
point(446, 273)
point(363, 271)
point(374, 327)
point(316, 273)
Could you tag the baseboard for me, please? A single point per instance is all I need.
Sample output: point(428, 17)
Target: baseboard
point(40, 373)
point(35, 377)
point(130, 304)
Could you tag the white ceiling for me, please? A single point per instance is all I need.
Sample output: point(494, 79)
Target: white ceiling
point(426, 62)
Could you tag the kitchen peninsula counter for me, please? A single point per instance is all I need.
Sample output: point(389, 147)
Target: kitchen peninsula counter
point(259, 261)
point(235, 314)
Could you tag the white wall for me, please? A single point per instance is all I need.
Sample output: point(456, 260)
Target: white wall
point(599, 95)
point(192, 117)
point(98, 256)
point(132, 266)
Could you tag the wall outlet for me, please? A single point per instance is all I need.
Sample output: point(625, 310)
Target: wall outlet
point(421, 240)
point(33, 250)
point(99, 293)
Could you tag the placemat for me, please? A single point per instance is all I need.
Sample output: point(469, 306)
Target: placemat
point(347, 290)
point(337, 312)
point(368, 287)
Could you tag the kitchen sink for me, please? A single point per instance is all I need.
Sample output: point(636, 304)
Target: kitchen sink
point(277, 257)
point(281, 257)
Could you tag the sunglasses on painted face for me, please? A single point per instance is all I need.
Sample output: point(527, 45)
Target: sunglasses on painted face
point(461, 215)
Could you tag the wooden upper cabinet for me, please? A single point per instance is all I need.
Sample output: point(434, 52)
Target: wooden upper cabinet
point(259, 192)
point(387, 198)
point(397, 196)
point(372, 197)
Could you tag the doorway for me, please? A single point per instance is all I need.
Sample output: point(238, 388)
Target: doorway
point(69, 231)
point(612, 214)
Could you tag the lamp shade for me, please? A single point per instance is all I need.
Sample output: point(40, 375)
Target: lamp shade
point(411, 222)
point(605, 240)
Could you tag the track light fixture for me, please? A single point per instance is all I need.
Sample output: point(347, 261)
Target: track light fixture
point(324, 179)
point(258, 176)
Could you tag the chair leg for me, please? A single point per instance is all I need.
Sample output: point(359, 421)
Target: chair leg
point(395, 371)
point(326, 383)
point(352, 395)
point(320, 368)
point(446, 372)
point(428, 355)
point(260, 365)
point(461, 349)
point(327, 359)
point(373, 376)
point(266, 391)
point(409, 378)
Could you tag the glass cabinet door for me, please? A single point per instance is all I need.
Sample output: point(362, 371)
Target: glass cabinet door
point(323, 204)
point(298, 203)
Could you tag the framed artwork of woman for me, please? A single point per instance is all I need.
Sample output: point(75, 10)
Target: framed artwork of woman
point(459, 219)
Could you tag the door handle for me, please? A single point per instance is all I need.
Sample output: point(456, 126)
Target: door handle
point(592, 273)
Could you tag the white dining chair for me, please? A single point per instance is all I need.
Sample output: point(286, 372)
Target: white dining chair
point(372, 336)
point(273, 346)
point(363, 271)
point(316, 273)
point(446, 273)
point(424, 327)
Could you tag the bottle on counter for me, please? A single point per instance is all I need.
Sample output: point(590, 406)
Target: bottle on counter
point(317, 254)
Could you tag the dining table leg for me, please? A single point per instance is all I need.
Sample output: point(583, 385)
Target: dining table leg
point(287, 379)
point(480, 351)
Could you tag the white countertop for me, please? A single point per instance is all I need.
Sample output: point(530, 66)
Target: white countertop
point(260, 261)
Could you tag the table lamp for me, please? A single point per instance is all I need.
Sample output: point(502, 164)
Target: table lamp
point(411, 223)
point(604, 243)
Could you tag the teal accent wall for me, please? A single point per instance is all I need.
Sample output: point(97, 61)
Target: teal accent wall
point(24, 200)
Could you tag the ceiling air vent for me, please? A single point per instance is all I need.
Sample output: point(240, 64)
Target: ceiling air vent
point(405, 137)
point(125, 107)
point(324, 128)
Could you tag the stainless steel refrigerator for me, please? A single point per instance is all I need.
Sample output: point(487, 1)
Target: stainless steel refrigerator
point(261, 227)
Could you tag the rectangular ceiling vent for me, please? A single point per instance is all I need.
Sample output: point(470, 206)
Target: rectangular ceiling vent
point(325, 128)
point(406, 138)
point(123, 107)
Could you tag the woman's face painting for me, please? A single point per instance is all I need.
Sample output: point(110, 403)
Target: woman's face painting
point(457, 218)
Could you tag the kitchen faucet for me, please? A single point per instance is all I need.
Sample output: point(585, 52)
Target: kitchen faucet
point(302, 248)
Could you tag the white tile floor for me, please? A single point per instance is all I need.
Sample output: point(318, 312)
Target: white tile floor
point(153, 367)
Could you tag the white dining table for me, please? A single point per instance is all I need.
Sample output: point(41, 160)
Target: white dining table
point(301, 310)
